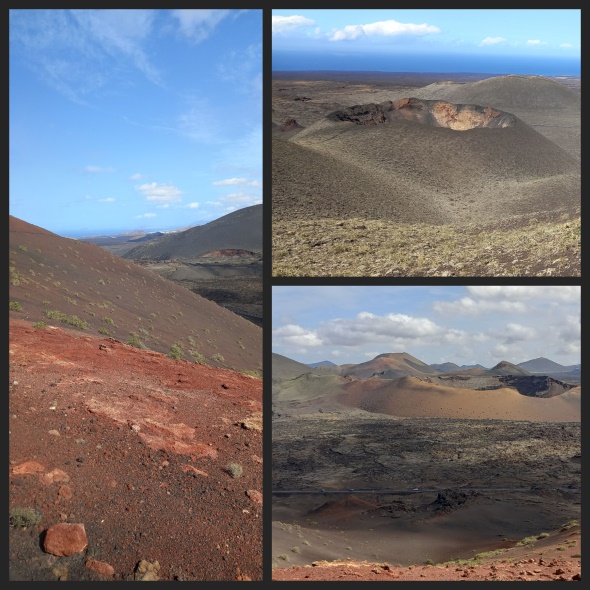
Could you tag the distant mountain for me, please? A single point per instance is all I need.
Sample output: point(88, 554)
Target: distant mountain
point(322, 364)
point(445, 367)
point(239, 230)
point(286, 368)
point(390, 366)
point(546, 366)
point(506, 368)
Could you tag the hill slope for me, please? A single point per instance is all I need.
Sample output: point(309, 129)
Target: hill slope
point(63, 281)
point(133, 446)
point(239, 230)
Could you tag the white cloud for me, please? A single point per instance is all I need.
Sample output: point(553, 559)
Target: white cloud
point(492, 40)
point(244, 181)
point(145, 215)
point(136, 176)
point(161, 193)
point(469, 306)
point(281, 24)
point(566, 45)
point(527, 293)
point(386, 28)
point(240, 199)
point(198, 23)
point(107, 200)
point(294, 335)
point(518, 333)
point(536, 42)
point(98, 169)
point(194, 205)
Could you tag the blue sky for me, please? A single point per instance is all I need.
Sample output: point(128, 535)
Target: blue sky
point(526, 33)
point(134, 119)
point(463, 324)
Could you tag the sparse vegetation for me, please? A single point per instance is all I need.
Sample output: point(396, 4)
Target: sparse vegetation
point(72, 320)
point(134, 340)
point(24, 517)
point(108, 320)
point(15, 306)
point(104, 331)
point(234, 469)
point(296, 550)
point(218, 358)
point(176, 352)
point(40, 324)
point(549, 248)
point(198, 357)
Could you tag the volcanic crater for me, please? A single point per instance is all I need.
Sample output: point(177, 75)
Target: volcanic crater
point(434, 113)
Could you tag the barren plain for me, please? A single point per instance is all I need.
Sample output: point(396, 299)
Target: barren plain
point(367, 183)
point(376, 479)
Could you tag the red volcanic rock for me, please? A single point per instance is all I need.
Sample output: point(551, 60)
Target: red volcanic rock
point(104, 569)
point(65, 539)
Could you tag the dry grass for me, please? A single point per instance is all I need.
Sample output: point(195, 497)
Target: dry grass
point(526, 246)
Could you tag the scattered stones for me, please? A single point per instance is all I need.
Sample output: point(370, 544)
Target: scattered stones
point(104, 569)
point(255, 496)
point(146, 571)
point(65, 539)
point(28, 468)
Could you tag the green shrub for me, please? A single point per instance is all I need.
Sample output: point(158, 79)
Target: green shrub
point(198, 357)
point(104, 331)
point(108, 320)
point(24, 517)
point(176, 352)
point(217, 357)
point(23, 248)
point(135, 341)
point(15, 306)
point(234, 469)
point(40, 324)
point(252, 373)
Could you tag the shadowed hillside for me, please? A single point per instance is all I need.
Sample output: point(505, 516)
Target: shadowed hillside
point(61, 281)
point(240, 230)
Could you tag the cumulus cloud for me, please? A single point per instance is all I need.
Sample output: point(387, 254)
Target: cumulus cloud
point(193, 205)
point(294, 335)
point(536, 42)
point(161, 193)
point(526, 293)
point(518, 333)
point(231, 181)
point(197, 24)
point(387, 28)
point(280, 24)
point(492, 40)
point(470, 306)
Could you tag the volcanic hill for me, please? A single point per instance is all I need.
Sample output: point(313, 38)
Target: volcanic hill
point(239, 230)
point(63, 281)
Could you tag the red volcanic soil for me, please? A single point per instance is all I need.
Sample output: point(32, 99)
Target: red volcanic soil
point(136, 447)
point(550, 560)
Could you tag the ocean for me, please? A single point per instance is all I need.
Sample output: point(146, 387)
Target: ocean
point(436, 63)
